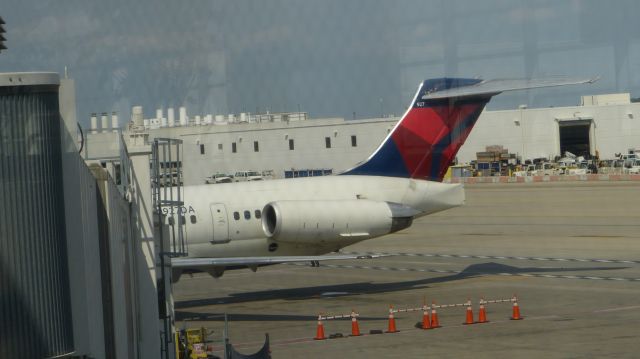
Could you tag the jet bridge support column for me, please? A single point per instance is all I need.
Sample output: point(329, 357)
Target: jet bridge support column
point(146, 251)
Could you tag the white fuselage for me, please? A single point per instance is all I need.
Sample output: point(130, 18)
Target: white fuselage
point(222, 219)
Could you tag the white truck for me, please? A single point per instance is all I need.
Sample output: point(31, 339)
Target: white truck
point(628, 159)
point(242, 176)
point(635, 167)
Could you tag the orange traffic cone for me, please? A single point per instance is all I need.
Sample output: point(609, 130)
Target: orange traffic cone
point(426, 324)
point(516, 310)
point(355, 329)
point(469, 314)
point(435, 323)
point(482, 314)
point(320, 330)
point(392, 321)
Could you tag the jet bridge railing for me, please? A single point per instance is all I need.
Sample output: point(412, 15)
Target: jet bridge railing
point(168, 193)
point(168, 202)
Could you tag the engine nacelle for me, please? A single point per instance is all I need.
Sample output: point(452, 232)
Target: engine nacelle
point(333, 221)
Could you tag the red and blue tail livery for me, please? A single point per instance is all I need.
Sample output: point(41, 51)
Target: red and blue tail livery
point(427, 138)
point(443, 112)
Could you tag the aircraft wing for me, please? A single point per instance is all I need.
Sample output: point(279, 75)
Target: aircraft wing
point(257, 261)
point(217, 266)
point(494, 87)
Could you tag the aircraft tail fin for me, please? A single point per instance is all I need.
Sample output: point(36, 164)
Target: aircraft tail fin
point(442, 114)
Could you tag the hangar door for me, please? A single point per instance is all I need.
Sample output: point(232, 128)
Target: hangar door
point(575, 137)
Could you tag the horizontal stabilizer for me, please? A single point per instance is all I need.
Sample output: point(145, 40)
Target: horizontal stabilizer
point(496, 86)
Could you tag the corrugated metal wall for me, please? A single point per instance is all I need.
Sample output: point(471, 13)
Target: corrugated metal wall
point(35, 316)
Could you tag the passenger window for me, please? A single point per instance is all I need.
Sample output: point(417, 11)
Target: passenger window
point(193, 219)
point(258, 214)
point(247, 215)
point(236, 216)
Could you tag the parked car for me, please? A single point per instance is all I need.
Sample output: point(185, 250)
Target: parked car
point(526, 170)
point(546, 169)
point(219, 178)
point(576, 171)
point(635, 167)
point(628, 159)
point(242, 176)
point(268, 174)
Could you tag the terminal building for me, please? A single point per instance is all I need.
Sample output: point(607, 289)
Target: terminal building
point(602, 124)
point(284, 145)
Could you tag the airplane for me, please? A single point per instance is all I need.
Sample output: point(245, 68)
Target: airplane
point(252, 224)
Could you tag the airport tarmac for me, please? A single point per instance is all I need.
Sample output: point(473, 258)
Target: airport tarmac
point(570, 251)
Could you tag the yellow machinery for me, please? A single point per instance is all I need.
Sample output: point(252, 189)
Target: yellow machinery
point(191, 343)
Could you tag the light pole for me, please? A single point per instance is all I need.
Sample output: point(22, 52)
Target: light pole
point(522, 107)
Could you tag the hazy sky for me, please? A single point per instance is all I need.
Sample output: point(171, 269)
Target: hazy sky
point(328, 57)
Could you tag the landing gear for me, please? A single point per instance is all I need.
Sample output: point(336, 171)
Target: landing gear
point(315, 263)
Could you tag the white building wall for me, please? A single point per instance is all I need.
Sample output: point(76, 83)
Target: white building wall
point(618, 129)
point(535, 132)
point(309, 152)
